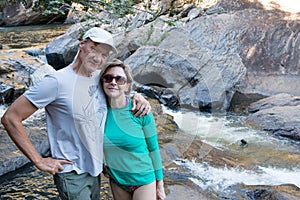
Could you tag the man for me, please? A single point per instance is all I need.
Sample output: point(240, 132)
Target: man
point(76, 111)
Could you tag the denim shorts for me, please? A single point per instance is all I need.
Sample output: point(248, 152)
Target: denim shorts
point(74, 186)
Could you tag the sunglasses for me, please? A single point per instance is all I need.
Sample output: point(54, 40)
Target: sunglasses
point(108, 78)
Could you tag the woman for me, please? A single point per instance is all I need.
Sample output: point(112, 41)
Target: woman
point(131, 148)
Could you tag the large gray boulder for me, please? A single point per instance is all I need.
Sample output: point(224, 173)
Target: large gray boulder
point(61, 51)
point(266, 43)
point(197, 77)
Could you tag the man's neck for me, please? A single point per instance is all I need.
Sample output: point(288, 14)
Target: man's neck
point(79, 70)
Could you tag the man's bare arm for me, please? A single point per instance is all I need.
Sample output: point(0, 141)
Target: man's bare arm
point(12, 119)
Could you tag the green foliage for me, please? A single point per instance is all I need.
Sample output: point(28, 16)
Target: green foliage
point(52, 7)
point(118, 8)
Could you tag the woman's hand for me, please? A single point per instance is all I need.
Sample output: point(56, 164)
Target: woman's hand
point(140, 106)
point(160, 191)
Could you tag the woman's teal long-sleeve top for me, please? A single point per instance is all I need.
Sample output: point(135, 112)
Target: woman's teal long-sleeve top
point(131, 147)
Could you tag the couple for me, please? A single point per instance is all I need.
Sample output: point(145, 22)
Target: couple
point(76, 111)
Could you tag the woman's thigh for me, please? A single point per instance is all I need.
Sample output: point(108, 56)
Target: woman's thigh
point(119, 193)
point(145, 192)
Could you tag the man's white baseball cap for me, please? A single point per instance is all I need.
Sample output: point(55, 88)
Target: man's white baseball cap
point(100, 35)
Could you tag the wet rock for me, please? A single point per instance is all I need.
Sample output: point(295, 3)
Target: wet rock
point(278, 114)
point(264, 192)
point(243, 143)
point(282, 99)
point(185, 192)
point(281, 192)
point(280, 120)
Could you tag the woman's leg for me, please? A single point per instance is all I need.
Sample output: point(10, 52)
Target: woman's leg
point(145, 192)
point(119, 193)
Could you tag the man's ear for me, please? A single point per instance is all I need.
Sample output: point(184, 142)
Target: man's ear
point(81, 43)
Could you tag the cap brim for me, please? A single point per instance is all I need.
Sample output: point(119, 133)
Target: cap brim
point(113, 48)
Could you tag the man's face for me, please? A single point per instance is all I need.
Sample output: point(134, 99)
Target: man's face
point(94, 55)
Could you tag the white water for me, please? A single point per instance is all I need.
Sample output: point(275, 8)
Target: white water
point(227, 133)
point(220, 179)
point(223, 131)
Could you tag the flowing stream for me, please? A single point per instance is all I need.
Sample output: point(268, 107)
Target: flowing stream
point(278, 159)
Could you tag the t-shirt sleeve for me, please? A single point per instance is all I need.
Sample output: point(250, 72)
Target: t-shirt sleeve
point(44, 92)
point(150, 133)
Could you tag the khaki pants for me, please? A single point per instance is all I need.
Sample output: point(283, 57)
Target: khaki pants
point(73, 186)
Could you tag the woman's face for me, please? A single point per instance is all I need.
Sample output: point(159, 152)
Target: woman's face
point(115, 82)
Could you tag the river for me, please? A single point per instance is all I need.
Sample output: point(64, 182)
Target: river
point(23, 37)
point(278, 158)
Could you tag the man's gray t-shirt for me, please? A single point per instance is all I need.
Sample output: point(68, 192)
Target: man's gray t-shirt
point(76, 110)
